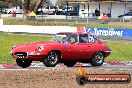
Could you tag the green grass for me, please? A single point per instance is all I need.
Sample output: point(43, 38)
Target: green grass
point(90, 24)
point(9, 40)
point(121, 51)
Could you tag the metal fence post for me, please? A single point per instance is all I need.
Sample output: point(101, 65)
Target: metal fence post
point(123, 19)
point(66, 9)
point(130, 20)
point(87, 19)
point(76, 21)
point(120, 19)
point(0, 15)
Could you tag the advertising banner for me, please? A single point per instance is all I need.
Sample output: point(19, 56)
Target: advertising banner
point(109, 31)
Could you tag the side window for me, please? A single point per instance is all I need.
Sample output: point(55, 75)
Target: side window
point(72, 38)
point(83, 38)
point(91, 38)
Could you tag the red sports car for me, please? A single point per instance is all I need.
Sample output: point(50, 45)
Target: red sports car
point(67, 48)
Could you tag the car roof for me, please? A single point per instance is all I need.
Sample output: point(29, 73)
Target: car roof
point(77, 33)
point(74, 33)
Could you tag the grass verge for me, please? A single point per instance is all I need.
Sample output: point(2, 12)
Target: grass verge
point(122, 51)
point(90, 24)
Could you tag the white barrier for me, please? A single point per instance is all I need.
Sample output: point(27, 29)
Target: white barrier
point(37, 29)
point(1, 22)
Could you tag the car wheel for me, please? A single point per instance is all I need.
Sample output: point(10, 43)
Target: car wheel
point(52, 59)
point(69, 64)
point(81, 80)
point(23, 63)
point(98, 59)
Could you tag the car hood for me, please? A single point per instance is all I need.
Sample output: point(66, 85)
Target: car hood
point(29, 47)
point(31, 44)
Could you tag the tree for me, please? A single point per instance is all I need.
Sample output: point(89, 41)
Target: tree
point(13, 3)
point(27, 5)
point(2, 4)
point(61, 3)
point(33, 5)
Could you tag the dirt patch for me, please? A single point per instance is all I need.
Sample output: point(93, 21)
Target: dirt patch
point(58, 78)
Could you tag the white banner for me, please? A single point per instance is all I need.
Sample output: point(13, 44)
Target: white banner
point(36, 29)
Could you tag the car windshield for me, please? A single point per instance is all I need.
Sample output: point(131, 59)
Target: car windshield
point(65, 38)
point(58, 38)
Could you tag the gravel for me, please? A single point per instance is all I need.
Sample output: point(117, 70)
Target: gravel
point(54, 78)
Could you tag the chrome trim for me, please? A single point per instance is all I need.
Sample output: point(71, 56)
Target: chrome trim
point(11, 52)
point(108, 51)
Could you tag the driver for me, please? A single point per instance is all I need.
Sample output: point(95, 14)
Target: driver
point(72, 38)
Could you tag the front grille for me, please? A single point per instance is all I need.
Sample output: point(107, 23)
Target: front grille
point(21, 54)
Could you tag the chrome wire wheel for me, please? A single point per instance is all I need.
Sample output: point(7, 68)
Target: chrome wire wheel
point(52, 59)
point(98, 59)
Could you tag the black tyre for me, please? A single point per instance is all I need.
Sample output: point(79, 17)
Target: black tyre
point(52, 59)
point(69, 64)
point(81, 80)
point(23, 63)
point(98, 59)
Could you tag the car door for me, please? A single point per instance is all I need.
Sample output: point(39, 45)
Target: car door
point(69, 47)
point(82, 51)
point(68, 52)
point(86, 47)
point(83, 47)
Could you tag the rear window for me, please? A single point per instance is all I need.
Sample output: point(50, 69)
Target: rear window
point(92, 39)
point(83, 38)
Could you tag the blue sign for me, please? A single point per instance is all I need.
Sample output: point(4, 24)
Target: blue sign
point(110, 31)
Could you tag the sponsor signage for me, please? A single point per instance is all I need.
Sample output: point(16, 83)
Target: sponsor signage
point(107, 31)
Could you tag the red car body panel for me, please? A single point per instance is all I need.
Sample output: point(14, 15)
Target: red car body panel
point(78, 52)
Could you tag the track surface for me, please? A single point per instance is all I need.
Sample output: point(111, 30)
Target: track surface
point(58, 77)
point(105, 66)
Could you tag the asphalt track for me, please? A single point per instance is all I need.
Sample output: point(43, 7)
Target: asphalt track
point(105, 66)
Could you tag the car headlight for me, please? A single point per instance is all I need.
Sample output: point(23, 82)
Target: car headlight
point(40, 48)
point(11, 52)
point(14, 46)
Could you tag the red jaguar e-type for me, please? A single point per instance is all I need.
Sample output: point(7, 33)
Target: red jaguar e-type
point(67, 48)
